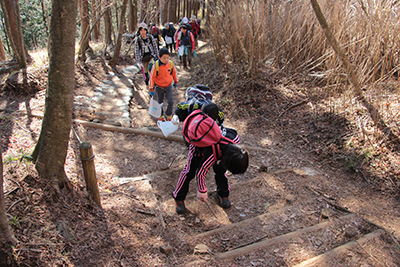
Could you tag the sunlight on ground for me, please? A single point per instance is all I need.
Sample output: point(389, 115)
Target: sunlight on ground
point(40, 57)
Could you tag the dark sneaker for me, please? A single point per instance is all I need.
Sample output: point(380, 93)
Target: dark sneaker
point(180, 206)
point(224, 202)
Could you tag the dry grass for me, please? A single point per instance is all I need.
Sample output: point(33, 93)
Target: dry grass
point(288, 34)
point(249, 36)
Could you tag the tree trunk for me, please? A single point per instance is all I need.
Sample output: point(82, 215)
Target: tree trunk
point(117, 50)
point(357, 91)
point(178, 11)
point(10, 10)
point(84, 15)
point(6, 237)
point(95, 12)
point(132, 16)
point(51, 150)
point(107, 24)
point(2, 52)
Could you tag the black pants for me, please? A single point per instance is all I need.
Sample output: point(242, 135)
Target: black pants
point(190, 170)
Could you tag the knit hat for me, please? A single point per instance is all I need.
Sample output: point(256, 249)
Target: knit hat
point(193, 17)
point(183, 25)
point(163, 51)
point(143, 26)
point(185, 20)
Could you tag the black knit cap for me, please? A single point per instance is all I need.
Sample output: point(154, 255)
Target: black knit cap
point(163, 51)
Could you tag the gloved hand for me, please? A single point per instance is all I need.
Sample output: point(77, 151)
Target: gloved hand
point(194, 53)
point(175, 120)
point(175, 85)
point(152, 94)
point(202, 196)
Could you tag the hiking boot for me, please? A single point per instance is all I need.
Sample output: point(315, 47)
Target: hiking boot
point(161, 118)
point(224, 202)
point(169, 118)
point(180, 206)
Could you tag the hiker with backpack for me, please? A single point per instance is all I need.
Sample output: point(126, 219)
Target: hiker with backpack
point(146, 49)
point(209, 146)
point(168, 35)
point(195, 27)
point(185, 44)
point(196, 97)
point(162, 78)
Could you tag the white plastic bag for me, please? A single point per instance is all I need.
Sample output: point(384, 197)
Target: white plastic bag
point(168, 40)
point(181, 50)
point(167, 127)
point(155, 108)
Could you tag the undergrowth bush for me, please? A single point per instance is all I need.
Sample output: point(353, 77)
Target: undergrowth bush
point(287, 33)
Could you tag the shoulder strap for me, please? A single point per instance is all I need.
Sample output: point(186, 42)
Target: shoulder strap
point(157, 67)
point(171, 64)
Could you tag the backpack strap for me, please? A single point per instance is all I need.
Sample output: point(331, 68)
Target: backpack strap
point(171, 65)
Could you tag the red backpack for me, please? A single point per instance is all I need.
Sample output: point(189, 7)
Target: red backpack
point(202, 131)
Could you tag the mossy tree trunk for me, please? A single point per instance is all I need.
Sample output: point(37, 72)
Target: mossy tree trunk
point(51, 150)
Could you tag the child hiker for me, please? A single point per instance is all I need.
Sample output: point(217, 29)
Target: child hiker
point(186, 41)
point(146, 49)
point(223, 156)
point(162, 78)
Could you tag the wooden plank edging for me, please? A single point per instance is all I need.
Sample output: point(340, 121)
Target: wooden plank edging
point(323, 258)
point(269, 242)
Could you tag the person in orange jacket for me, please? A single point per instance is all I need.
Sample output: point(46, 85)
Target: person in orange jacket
point(162, 78)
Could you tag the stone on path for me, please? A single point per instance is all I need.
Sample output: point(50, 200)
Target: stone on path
point(110, 103)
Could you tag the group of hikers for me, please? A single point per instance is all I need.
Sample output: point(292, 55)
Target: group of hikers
point(210, 143)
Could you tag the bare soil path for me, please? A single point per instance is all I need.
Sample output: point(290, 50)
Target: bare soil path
point(288, 209)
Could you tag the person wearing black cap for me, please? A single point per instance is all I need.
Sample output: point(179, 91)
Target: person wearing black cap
point(186, 43)
point(146, 49)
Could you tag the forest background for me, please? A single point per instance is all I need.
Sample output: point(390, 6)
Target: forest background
point(248, 37)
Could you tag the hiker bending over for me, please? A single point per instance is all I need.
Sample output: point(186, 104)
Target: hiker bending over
point(146, 49)
point(162, 78)
point(223, 155)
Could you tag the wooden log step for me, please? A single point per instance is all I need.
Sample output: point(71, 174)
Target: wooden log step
point(279, 239)
point(323, 259)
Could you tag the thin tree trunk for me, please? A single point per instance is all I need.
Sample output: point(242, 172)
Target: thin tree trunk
point(84, 16)
point(10, 10)
point(81, 51)
point(114, 60)
point(51, 150)
point(132, 16)
point(2, 52)
point(107, 24)
point(178, 11)
point(95, 12)
point(6, 237)
point(379, 122)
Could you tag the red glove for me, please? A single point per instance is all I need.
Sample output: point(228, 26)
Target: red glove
point(202, 196)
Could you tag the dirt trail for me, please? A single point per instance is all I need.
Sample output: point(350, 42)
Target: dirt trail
point(288, 209)
point(290, 215)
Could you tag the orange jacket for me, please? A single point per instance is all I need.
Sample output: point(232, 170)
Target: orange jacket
point(164, 78)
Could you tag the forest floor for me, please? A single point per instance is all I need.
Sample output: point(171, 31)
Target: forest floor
point(310, 188)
